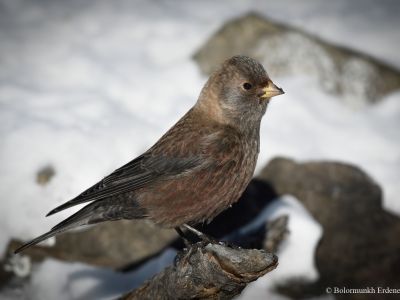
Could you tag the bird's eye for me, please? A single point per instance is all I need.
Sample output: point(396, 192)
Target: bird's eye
point(247, 86)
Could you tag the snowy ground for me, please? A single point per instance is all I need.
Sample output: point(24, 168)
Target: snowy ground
point(87, 87)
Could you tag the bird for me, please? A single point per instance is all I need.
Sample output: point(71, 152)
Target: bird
point(197, 169)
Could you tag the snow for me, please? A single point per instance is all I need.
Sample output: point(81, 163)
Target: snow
point(296, 254)
point(87, 86)
point(80, 281)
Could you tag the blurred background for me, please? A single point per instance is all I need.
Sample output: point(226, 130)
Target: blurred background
point(87, 86)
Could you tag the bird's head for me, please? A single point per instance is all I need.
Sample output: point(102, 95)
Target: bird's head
point(239, 91)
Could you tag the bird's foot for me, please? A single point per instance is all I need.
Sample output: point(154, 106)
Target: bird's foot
point(202, 236)
point(229, 245)
point(192, 236)
point(185, 238)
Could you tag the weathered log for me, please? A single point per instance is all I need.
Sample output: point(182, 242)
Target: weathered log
point(207, 271)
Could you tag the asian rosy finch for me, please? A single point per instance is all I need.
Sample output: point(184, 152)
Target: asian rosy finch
point(197, 169)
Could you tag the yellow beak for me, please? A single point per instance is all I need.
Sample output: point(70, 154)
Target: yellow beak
point(271, 90)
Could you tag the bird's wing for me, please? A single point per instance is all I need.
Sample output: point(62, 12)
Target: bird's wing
point(143, 170)
point(136, 174)
point(165, 160)
point(178, 152)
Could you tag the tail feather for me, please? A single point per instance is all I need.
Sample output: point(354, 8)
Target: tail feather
point(43, 237)
point(81, 216)
point(87, 215)
point(95, 212)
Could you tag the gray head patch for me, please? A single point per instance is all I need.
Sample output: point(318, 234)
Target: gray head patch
point(249, 67)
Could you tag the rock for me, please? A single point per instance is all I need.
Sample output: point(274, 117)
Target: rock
point(14, 275)
point(18, 265)
point(360, 246)
point(44, 175)
point(357, 78)
point(5, 274)
point(277, 230)
point(110, 244)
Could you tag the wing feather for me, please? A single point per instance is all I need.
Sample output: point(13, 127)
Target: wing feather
point(173, 155)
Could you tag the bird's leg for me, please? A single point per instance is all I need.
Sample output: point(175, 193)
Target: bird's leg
point(199, 234)
point(183, 236)
point(188, 239)
point(206, 238)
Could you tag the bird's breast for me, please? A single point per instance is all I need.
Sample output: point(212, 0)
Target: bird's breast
point(207, 191)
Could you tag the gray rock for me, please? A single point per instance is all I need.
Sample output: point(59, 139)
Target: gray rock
point(110, 244)
point(277, 231)
point(357, 78)
point(360, 246)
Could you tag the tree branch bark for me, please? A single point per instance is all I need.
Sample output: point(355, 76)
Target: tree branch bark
point(207, 271)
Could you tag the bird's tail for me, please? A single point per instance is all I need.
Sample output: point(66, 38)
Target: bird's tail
point(95, 212)
point(45, 236)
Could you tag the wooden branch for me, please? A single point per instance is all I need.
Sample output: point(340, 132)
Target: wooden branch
point(207, 271)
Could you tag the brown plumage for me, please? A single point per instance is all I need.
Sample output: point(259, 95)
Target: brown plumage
point(197, 169)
